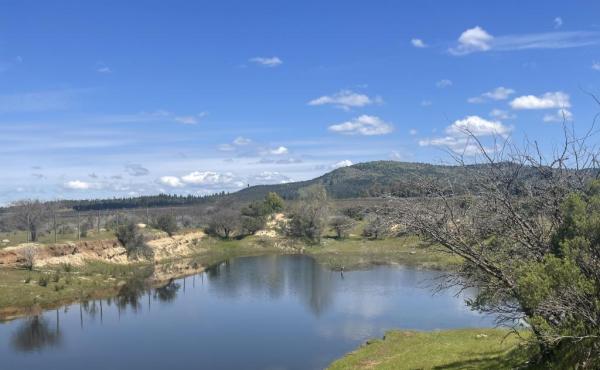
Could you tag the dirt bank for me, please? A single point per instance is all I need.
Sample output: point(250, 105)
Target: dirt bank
point(78, 253)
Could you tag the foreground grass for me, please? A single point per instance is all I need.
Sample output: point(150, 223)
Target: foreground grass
point(449, 349)
point(22, 290)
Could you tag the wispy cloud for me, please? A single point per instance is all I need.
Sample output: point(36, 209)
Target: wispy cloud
point(41, 101)
point(443, 83)
point(499, 93)
point(558, 22)
point(596, 66)
point(267, 61)
point(363, 125)
point(477, 39)
point(561, 115)
point(346, 99)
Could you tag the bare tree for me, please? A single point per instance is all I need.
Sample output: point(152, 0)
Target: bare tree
point(29, 255)
point(30, 215)
point(224, 223)
point(505, 228)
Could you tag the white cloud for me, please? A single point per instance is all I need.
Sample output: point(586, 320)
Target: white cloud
point(363, 125)
point(499, 93)
point(345, 99)
point(443, 83)
point(418, 43)
point(171, 181)
point(413, 132)
point(477, 126)
point(207, 177)
point(501, 114)
point(279, 150)
point(478, 40)
point(426, 103)
point(558, 22)
point(240, 141)
point(473, 39)
point(267, 61)
point(596, 66)
point(344, 163)
point(560, 116)
point(104, 69)
point(78, 185)
point(458, 134)
point(549, 100)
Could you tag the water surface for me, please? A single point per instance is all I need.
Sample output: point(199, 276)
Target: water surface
point(269, 312)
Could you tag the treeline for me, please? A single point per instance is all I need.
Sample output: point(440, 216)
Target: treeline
point(160, 200)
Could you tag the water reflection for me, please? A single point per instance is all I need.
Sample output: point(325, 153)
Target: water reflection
point(36, 333)
point(271, 311)
point(274, 276)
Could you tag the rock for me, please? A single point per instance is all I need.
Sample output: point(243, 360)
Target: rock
point(5, 241)
point(141, 226)
point(479, 336)
point(413, 252)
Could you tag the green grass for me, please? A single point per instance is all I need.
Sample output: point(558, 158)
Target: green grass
point(20, 290)
point(449, 349)
point(356, 252)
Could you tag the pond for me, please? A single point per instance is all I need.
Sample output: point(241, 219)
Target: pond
point(268, 312)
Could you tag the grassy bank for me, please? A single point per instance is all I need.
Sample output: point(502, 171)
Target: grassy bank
point(449, 349)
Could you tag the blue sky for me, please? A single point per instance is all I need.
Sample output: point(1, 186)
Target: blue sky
point(120, 98)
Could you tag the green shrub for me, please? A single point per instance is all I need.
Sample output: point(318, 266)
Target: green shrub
point(43, 281)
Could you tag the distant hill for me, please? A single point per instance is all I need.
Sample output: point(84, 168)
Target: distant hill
point(368, 179)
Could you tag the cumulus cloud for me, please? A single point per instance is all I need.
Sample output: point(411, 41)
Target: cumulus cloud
point(78, 185)
point(267, 61)
point(499, 93)
point(418, 43)
point(560, 116)
point(443, 83)
point(458, 134)
point(471, 40)
point(548, 100)
point(279, 150)
point(136, 169)
point(171, 181)
point(363, 125)
point(477, 39)
point(207, 177)
point(344, 163)
point(345, 99)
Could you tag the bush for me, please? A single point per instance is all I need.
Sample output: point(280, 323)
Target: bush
point(341, 225)
point(377, 228)
point(56, 277)
point(43, 281)
point(133, 241)
point(166, 223)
